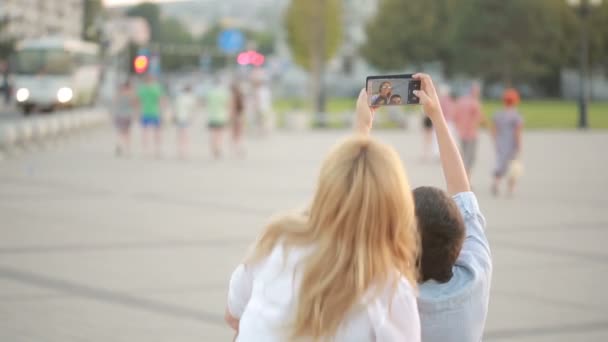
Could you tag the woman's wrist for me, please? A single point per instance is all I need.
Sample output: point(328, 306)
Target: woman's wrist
point(435, 114)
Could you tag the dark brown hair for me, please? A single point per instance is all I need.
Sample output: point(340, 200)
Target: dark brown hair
point(442, 233)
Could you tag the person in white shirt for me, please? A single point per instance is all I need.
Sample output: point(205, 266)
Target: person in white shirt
point(185, 107)
point(455, 264)
point(345, 271)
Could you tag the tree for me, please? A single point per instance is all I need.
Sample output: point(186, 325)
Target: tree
point(599, 37)
point(208, 42)
point(7, 43)
point(151, 13)
point(264, 41)
point(403, 32)
point(93, 10)
point(314, 32)
point(509, 41)
point(175, 41)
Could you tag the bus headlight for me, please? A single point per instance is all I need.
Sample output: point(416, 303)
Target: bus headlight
point(64, 95)
point(22, 94)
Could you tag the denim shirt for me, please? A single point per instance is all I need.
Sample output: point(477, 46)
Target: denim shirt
point(456, 311)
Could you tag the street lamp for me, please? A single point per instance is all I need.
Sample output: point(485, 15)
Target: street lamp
point(584, 9)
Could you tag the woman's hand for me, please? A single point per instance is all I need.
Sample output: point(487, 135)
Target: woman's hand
point(232, 322)
point(428, 97)
point(364, 115)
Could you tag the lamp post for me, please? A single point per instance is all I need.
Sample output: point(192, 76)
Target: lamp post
point(584, 9)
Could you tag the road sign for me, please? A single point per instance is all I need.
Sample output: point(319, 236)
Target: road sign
point(231, 41)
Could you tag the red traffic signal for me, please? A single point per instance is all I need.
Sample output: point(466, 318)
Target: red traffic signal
point(140, 64)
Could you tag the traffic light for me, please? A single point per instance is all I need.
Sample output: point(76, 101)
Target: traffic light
point(140, 64)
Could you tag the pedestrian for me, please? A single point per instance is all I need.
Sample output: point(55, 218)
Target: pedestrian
point(455, 267)
point(124, 109)
point(151, 100)
point(427, 138)
point(507, 127)
point(448, 106)
point(346, 271)
point(236, 118)
point(5, 83)
point(185, 109)
point(263, 114)
point(468, 118)
point(218, 105)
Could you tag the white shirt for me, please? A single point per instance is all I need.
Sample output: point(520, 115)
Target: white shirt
point(456, 311)
point(263, 297)
point(185, 107)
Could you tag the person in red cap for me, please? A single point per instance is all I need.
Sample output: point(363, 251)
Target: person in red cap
point(507, 126)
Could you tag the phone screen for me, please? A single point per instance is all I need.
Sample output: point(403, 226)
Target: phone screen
point(392, 90)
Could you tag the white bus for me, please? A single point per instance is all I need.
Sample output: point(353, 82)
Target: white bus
point(55, 72)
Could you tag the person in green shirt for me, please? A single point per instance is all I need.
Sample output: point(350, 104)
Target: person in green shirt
point(218, 105)
point(151, 99)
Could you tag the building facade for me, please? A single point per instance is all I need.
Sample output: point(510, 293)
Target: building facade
point(38, 18)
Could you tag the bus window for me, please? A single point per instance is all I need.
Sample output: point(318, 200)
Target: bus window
point(52, 62)
point(85, 59)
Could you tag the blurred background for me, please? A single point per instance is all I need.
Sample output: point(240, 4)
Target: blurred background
point(316, 54)
point(104, 239)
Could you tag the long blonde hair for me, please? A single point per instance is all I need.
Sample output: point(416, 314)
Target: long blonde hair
point(362, 224)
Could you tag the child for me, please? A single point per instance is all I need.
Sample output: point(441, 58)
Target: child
point(218, 106)
point(124, 111)
point(185, 107)
point(456, 265)
point(507, 131)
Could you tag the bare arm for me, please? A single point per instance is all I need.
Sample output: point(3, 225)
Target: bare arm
point(518, 137)
point(363, 114)
point(453, 169)
point(232, 322)
point(493, 131)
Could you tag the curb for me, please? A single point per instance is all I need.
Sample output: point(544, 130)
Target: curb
point(30, 132)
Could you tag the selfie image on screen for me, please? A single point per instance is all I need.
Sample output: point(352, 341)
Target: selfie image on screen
point(388, 91)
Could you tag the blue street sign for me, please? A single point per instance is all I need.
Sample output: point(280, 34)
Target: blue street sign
point(142, 51)
point(231, 41)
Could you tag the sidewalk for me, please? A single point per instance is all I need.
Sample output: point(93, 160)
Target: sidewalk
point(98, 248)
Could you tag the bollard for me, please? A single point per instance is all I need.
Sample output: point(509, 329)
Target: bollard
point(78, 121)
point(25, 132)
point(41, 132)
point(35, 133)
point(40, 129)
point(8, 137)
point(64, 122)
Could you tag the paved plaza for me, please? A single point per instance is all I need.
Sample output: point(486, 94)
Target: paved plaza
point(97, 248)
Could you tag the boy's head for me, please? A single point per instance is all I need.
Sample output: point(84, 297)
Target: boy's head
point(441, 230)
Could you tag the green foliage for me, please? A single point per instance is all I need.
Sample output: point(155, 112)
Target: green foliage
point(174, 35)
point(264, 41)
point(510, 41)
point(309, 23)
point(93, 12)
point(598, 42)
point(538, 114)
point(403, 32)
point(150, 12)
point(7, 44)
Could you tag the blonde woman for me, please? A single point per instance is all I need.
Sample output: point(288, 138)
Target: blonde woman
point(347, 270)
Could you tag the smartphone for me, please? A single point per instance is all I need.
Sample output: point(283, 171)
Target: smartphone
point(392, 90)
